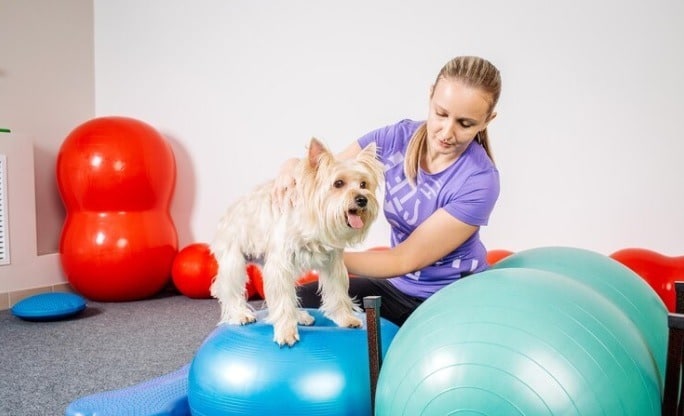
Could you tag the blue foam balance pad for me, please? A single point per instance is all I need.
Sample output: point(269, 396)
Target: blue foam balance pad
point(49, 306)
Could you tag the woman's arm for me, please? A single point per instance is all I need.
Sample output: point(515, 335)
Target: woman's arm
point(439, 235)
point(283, 183)
point(350, 152)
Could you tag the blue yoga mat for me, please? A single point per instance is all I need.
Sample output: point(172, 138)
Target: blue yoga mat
point(162, 396)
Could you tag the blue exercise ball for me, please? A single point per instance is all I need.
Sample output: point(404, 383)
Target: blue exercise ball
point(518, 342)
point(619, 284)
point(240, 370)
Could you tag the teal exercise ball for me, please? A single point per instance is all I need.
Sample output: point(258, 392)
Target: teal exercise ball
point(619, 284)
point(240, 370)
point(518, 342)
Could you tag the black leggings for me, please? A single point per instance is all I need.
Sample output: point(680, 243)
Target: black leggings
point(395, 306)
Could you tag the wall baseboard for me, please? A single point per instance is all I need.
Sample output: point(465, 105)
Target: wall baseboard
point(9, 299)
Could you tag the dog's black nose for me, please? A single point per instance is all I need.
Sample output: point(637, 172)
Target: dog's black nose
point(361, 201)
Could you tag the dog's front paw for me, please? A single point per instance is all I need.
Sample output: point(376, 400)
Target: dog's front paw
point(304, 318)
point(240, 318)
point(246, 318)
point(349, 321)
point(286, 334)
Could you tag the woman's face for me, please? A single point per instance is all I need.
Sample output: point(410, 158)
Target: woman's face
point(457, 114)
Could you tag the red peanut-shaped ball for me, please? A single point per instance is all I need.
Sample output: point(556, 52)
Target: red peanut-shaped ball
point(116, 176)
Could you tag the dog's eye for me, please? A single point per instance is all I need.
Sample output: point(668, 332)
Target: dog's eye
point(363, 185)
point(338, 183)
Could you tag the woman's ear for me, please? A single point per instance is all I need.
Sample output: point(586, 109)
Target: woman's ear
point(490, 118)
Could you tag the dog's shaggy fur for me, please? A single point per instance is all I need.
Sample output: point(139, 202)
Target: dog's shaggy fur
point(334, 205)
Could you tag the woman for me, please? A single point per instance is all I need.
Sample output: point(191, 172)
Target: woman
point(441, 186)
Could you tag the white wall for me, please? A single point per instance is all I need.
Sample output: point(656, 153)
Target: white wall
point(588, 137)
point(46, 89)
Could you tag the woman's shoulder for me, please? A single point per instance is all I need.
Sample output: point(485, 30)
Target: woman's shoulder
point(399, 133)
point(478, 158)
point(408, 125)
point(405, 126)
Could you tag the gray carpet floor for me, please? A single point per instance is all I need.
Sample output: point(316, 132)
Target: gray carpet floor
point(44, 366)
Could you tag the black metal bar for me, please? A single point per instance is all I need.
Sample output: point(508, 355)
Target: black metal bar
point(672, 390)
point(372, 306)
point(679, 299)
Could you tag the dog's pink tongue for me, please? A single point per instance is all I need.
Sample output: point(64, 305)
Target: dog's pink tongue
point(355, 221)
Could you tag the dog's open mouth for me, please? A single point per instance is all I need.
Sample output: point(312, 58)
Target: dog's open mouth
point(354, 219)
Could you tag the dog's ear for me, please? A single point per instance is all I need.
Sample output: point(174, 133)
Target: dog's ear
point(369, 158)
point(368, 154)
point(317, 151)
point(371, 150)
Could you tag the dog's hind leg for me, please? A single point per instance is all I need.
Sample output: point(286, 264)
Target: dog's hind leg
point(229, 286)
point(305, 318)
point(335, 301)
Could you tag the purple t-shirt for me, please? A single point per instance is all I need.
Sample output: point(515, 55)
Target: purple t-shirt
point(468, 190)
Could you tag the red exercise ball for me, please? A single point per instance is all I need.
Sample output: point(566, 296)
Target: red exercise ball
point(116, 176)
point(255, 281)
point(308, 277)
point(251, 291)
point(659, 271)
point(193, 270)
point(493, 256)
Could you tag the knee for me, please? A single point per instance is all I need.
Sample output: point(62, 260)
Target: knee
point(308, 295)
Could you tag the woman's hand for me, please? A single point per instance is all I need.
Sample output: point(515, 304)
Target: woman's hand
point(282, 193)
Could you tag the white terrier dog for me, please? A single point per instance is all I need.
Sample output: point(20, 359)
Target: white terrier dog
point(333, 208)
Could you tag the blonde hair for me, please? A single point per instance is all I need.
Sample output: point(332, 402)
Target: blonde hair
point(474, 72)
